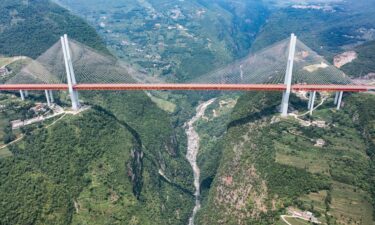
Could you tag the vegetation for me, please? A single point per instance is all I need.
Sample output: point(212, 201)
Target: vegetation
point(175, 40)
point(363, 115)
point(92, 176)
point(43, 22)
point(123, 160)
point(11, 109)
point(326, 30)
point(53, 185)
point(279, 160)
point(78, 169)
point(364, 64)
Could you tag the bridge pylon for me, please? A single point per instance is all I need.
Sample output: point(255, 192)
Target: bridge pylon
point(47, 97)
point(70, 72)
point(51, 96)
point(288, 76)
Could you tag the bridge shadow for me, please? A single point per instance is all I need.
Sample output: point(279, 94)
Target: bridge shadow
point(254, 106)
point(260, 105)
point(253, 117)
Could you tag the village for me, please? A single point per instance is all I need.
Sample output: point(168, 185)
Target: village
point(303, 215)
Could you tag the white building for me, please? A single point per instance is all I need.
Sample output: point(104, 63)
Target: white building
point(4, 71)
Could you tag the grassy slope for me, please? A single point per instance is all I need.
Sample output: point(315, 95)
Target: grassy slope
point(283, 169)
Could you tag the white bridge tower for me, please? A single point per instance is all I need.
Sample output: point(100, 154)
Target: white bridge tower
point(70, 73)
point(288, 76)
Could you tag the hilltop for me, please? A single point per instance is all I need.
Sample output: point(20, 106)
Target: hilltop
point(28, 28)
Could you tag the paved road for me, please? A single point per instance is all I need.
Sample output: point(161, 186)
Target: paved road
point(286, 221)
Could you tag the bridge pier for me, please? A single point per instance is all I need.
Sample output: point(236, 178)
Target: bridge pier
point(313, 96)
point(22, 95)
point(51, 96)
point(47, 97)
point(70, 73)
point(26, 93)
point(336, 97)
point(288, 76)
point(339, 100)
point(310, 99)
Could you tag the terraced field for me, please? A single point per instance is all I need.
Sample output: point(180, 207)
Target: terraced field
point(343, 158)
point(174, 40)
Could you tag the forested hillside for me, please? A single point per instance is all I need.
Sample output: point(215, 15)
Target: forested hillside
point(268, 164)
point(364, 64)
point(327, 28)
point(181, 40)
point(94, 168)
point(30, 27)
point(175, 40)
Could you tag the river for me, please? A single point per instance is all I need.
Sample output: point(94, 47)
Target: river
point(192, 152)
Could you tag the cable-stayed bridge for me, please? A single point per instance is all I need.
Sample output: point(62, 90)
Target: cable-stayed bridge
point(286, 66)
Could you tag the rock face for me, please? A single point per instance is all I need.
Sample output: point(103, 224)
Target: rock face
point(171, 145)
point(135, 168)
point(344, 58)
point(239, 192)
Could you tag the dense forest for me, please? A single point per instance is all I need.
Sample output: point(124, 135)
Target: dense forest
point(28, 28)
point(364, 64)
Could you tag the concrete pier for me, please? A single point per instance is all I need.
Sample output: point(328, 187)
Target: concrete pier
point(312, 102)
point(22, 95)
point(339, 101)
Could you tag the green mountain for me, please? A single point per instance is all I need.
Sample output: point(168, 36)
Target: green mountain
point(364, 64)
point(327, 28)
point(96, 168)
point(122, 161)
point(165, 38)
point(268, 164)
point(30, 27)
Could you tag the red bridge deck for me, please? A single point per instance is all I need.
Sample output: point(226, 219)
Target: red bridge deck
point(203, 87)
